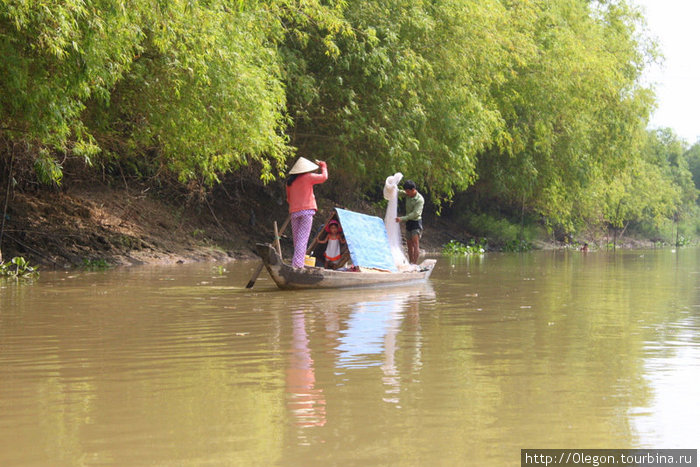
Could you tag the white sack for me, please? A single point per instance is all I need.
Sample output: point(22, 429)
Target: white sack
point(393, 228)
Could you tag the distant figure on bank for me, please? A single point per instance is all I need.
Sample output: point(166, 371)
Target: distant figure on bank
point(584, 248)
point(413, 219)
point(302, 203)
point(333, 240)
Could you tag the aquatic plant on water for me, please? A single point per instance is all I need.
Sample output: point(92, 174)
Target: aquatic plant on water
point(455, 248)
point(18, 267)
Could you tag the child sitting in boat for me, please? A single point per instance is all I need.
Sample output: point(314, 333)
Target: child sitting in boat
point(333, 240)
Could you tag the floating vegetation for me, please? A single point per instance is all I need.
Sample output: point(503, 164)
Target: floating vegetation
point(17, 268)
point(455, 248)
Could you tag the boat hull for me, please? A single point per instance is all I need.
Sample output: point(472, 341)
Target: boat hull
point(289, 278)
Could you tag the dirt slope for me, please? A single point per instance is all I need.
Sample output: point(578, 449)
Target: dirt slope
point(84, 226)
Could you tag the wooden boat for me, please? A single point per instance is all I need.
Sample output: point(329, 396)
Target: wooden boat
point(287, 277)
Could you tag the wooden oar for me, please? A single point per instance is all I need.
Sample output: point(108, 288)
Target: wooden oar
point(257, 271)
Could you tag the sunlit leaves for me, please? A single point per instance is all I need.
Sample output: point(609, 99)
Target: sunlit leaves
point(195, 85)
point(409, 91)
point(571, 111)
point(535, 105)
point(47, 169)
point(693, 158)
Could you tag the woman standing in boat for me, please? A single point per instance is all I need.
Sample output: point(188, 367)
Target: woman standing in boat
point(302, 203)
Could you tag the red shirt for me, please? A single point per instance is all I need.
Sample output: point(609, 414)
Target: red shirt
point(300, 195)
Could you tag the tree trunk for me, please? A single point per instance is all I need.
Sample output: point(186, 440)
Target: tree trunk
point(7, 197)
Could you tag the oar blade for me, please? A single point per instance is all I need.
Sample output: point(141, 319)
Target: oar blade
point(256, 273)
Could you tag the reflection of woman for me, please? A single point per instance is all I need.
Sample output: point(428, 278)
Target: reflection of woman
point(302, 203)
point(306, 403)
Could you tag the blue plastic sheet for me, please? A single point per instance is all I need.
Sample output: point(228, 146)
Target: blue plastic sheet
point(367, 240)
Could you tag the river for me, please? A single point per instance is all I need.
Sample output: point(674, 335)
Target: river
point(182, 366)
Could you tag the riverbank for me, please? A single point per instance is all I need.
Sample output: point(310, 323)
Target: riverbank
point(100, 225)
point(97, 226)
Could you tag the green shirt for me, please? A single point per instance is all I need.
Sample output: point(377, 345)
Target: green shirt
point(414, 207)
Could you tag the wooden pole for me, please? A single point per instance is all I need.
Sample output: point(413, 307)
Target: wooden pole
point(258, 269)
point(277, 240)
point(281, 232)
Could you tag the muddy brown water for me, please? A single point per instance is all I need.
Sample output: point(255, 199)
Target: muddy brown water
point(182, 366)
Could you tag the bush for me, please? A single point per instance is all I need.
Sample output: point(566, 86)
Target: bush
point(501, 232)
point(686, 232)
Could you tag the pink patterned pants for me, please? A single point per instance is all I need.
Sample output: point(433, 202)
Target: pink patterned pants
point(301, 228)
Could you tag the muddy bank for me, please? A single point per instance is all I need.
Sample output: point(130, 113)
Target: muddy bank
point(83, 226)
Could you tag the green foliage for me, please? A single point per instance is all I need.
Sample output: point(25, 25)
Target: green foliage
point(571, 110)
point(536, 107)
point(500, 231)
point(474, 247)
point(191, 87)
point(693, 158)
point(99, 264)
point(638, 193)
point(55, 57)
point(18, 267)
point(407, 90)
point(47, 169)
point(654, 188)
point(682, 233)
point(204, 89)
point(517, 246)
point(683, 241)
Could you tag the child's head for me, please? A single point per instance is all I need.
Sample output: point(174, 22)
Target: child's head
point(333, 227)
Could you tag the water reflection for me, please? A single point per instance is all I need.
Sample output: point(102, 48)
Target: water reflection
point(183, 366)
point(361, 330)
point(305, 402)
point(671, 368)
point(370, 336)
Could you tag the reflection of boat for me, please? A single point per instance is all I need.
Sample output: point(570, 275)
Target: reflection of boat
point(287, 277)
point(361, 330)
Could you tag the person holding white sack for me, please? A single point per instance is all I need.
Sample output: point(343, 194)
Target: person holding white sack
point(413, 219)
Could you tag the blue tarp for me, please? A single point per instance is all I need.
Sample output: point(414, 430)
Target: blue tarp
point(367, 240)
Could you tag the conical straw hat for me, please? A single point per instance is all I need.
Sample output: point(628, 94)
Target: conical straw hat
point(303, 165)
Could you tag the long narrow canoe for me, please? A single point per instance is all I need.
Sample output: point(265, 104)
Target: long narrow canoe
point(287, 277)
